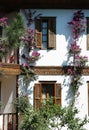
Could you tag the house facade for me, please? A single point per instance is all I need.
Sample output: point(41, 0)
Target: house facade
point(51, 80)
point(53, 38)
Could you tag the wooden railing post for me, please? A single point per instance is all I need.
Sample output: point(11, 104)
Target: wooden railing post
point(10, 57)
point(9, 121)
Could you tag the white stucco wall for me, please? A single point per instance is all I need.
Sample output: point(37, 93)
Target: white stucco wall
point(63, 37)
point(58, 57)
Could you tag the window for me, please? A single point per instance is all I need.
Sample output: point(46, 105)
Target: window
point(46, 32)
point(87, 33)
point(46, 90)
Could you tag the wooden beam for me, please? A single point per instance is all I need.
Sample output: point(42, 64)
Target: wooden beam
point(10, 69)
point(58, 70)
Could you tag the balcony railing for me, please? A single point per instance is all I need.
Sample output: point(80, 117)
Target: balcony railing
point(8, 121)
point(11, 57)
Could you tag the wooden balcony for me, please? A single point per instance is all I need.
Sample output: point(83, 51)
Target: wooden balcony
point(8, 121)
point(9, 64)
point(11, 57)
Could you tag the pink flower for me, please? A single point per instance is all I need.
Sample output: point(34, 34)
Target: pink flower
point(28, 37)
point(1, 65)
point(78, 23)
point(3, 21)
point(74, 48)
point(70, 71)
point(85, 57)
point(81, 60)
point(25, 65)
point(35, 54)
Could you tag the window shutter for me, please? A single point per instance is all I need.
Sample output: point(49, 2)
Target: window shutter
point(52, 32)
point(37, 96)
point(57, 95)
point(87, 33)
point(38, 33)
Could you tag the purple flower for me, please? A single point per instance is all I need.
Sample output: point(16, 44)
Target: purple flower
point(28, 37)
point(78, 23)
point(81, 60)
point(25, 65)
point(70, 71)
point(3, 21)
point(74, 48)
point(35, 54)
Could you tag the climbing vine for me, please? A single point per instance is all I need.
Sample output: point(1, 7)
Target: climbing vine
point(79, 62)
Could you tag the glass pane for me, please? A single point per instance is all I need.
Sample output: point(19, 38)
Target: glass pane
point(47, 90)
point(44, 38)
point(44, 24)
point(43, 92)
point(44, 44)
point(44, 31)
point(50, 90)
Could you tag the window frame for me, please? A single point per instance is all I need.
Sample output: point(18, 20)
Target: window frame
point(38, 95)
point(51, 37)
